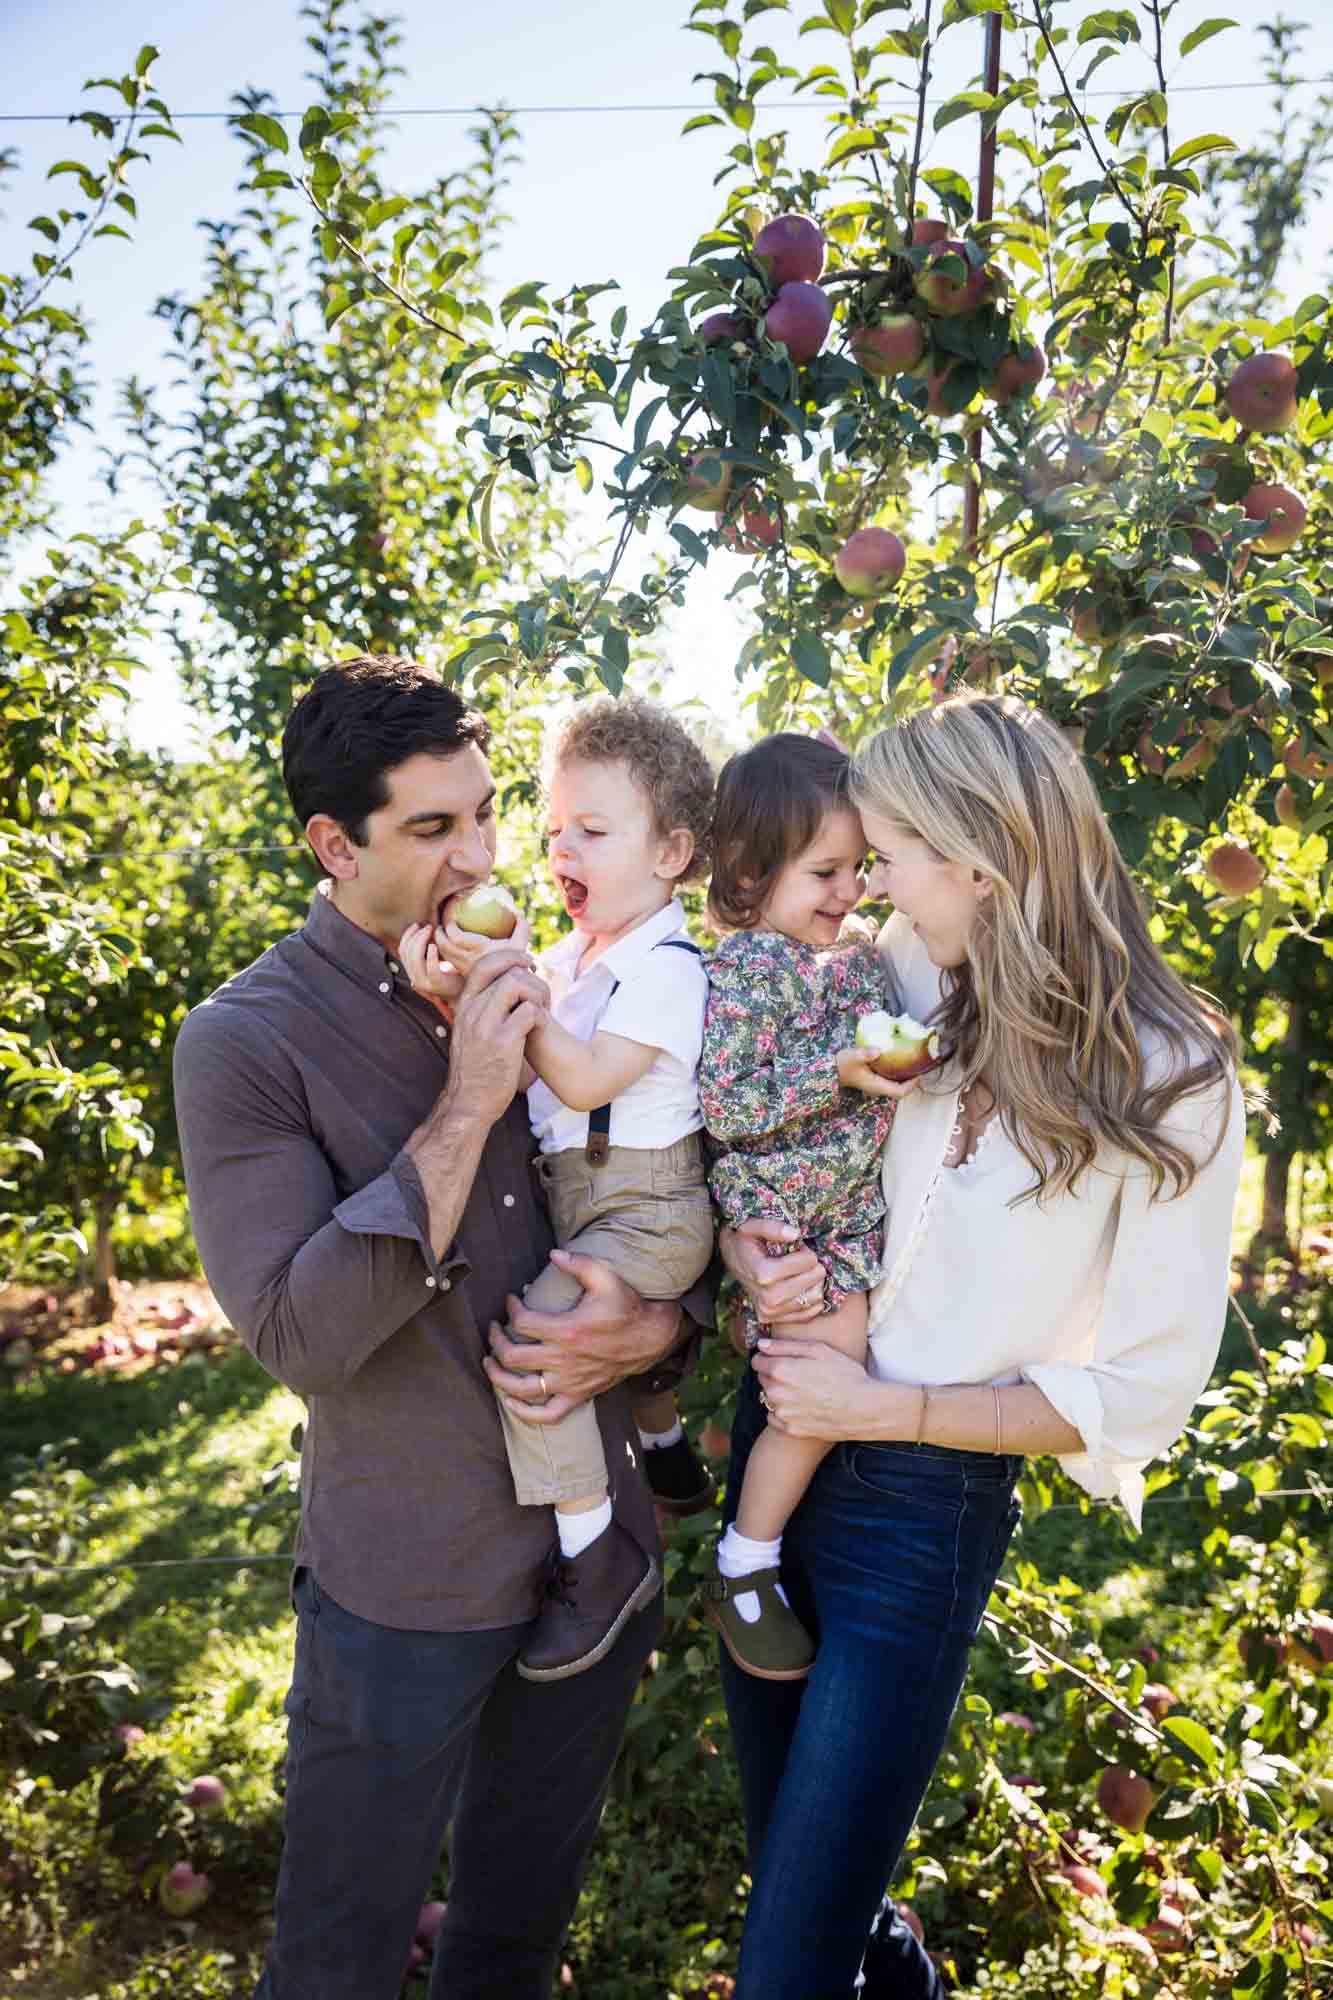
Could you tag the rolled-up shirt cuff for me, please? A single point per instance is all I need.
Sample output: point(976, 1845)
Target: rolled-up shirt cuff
point(394, 1204)
point(1099, 1469)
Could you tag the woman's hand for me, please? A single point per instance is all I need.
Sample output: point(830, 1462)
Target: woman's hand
point(785, 1290)
point(815, 1391)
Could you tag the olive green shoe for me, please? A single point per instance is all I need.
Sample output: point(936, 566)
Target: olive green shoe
point(776, 1647)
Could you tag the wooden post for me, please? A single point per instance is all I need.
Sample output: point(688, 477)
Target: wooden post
point(984, 211)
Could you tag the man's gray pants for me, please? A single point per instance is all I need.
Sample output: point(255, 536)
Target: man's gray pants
point(392, 1737)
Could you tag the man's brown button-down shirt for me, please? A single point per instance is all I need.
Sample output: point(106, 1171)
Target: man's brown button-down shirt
point(297, 1084)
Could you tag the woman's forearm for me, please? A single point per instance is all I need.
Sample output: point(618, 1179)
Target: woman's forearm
point(967, 1417)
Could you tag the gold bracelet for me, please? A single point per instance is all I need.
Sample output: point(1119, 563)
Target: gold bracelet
point(921, 1420)
point(994, 1389)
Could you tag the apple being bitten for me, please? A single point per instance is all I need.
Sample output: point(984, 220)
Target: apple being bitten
point(486, 912)
point(900, 1047)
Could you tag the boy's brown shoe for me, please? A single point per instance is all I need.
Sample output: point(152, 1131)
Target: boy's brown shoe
point(775, 1646)
point(589, 1600)
point(677, 1481)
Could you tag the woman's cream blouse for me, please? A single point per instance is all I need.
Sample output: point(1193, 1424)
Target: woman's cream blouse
point(1110, 1303)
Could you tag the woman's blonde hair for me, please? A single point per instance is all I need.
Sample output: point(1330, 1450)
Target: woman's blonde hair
point(1062, 978)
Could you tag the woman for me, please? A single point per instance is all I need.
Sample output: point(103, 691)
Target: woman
point(1059, 1204)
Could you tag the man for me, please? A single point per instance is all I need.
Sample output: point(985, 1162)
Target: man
point(360, 1181)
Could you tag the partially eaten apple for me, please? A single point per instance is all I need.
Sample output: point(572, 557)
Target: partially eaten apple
point(488, 911)
point(900, 1048)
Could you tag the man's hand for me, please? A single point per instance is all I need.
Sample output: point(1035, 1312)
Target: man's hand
point(501, 1003)
point(784, 1289)
point(567, 1358)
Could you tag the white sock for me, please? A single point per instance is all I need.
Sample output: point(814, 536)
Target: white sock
point(578, 1532)
point(740, 1555)
point(658, 1440)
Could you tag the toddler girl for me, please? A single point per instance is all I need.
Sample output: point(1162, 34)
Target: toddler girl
point(799, 1117)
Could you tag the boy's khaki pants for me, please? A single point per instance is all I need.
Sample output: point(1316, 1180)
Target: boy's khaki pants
point(645, 1211)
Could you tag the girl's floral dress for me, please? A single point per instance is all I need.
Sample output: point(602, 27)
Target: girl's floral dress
point(791, 1143)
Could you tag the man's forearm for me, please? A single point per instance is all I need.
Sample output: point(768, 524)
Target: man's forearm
point(446, 1151)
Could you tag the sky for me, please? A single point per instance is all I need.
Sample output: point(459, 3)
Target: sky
point(608, 189)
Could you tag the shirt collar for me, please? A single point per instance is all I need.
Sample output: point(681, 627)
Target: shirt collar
point(337, 938)
point(625, 954)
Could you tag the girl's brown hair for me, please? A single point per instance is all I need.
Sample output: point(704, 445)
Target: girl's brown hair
point(772, 800)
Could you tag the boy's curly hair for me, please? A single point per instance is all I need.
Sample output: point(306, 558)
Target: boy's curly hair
point(662, 758)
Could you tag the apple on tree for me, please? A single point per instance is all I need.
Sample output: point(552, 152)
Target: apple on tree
point(800, 317)
point(869, 562)
point(181, 1891)
point(1236, 871)
point(890, 347)
point(901, 1047)
point(789, 249)
point(1281, 511)
point(1262, 393)
point(707, 482)
point(1125, 1797)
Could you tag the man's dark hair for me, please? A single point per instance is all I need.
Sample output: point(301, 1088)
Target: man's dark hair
point(359, 720)
point(771, 802)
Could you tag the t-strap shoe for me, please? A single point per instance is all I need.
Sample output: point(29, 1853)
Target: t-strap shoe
point(677, 1481)
point(774, 1646)
point(589, 1600)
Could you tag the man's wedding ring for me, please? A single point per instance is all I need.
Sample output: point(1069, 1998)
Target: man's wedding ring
point(546, 1394)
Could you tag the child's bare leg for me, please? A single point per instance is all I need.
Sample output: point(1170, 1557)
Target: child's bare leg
point(779, 1467)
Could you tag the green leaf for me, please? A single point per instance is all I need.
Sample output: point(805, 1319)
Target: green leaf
point(1204, 33)
point(145, 59)
point(810, 657)
point(583, 473)
point(1207, 142)
point(1193, 1740)
point(264, 128)
point(325, 173)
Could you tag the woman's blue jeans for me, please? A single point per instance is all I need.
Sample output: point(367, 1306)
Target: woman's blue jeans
point(889, 1559)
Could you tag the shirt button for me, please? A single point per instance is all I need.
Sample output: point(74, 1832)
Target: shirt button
point(444, 1284)
point(430, 1284)
point(384, 986)
point(441, 1030)
point(509, 1201)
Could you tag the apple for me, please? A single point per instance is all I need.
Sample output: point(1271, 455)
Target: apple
point(416, 1958)
point(1319, 1653)
point(207, 1795)
point(800, 317)
point(180, 1891)
point(1133, 1942)
point(1022, 368)
point(1157, 1699)
point(429, 1923)
point(487, 911)
point(950, 284)
point(714, 1442)
point(1305, 763)
point(902, 1047)
point(1012, 1720)
point(1125, 1797)
point(913, 1922)
point(1287, 806)
point(1235, 869)
point(1261, 394)
point(790, 248)
point(759, 527)
point(1168, 1930)
point(1095, 621)
point(1197, 755)
point(869, 562)
point(1323, 1796)
point(1086, 1880)
point(889, 348)
point(721, 326)
point(129, 1735)
point(707, 482)
point(1284, 512)
point(928, 229)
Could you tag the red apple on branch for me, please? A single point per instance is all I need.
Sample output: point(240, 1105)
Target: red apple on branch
point(1235, 869)
point(207, 1794)
point(1125, 1797)
point(1022, 368)
point(1158, 1699)
point(929, 229)
point(182, 1891)
point(891, 347)
point(950, 284)
point(1086, 1880)
point(869, 562)
point(800, 317)
point(707, 482)
point(1282, 510)
point(1288, 807)
point(1262, 393)
point(789, 248)
point(1314, 1646)
point(721, 326)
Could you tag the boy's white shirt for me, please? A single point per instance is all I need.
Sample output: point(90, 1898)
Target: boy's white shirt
point(659, 1001)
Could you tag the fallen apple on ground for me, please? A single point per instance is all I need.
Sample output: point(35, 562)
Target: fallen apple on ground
point(900, 1047)
point(486, 912)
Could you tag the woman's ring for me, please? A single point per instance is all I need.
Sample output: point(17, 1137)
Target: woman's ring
point(805, 1298)
point(546, 1394)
